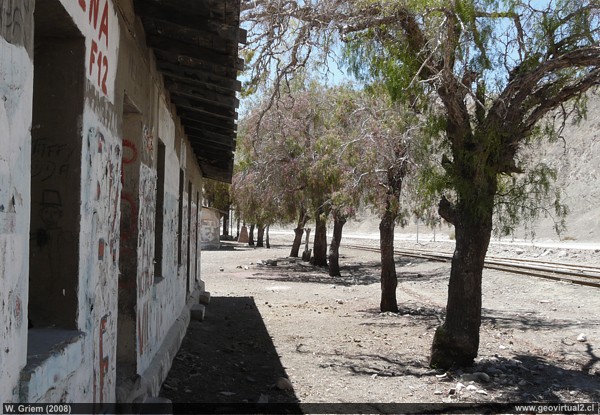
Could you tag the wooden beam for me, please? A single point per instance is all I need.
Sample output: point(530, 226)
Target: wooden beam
point(185, 34)
point(203, 54)
point(220, 84)
point(209, 119)
point(224, 11)
point(203, 107)
point(200, 93)
point(209, 137)
point(203, 126)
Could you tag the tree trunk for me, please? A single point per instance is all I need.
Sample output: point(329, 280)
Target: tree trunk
point(319, 258)
point(237, 236)
point(226, 223)
point(389, 279)
point(456, 342)
point(307, 252)
point(251, 235)
point(267, 242)
point(334, 247)
point(302, 218)
point(261, 236)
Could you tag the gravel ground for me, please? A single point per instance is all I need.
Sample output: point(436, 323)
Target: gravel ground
point(540, 340)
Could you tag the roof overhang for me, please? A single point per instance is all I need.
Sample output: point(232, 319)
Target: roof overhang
point(196, 47)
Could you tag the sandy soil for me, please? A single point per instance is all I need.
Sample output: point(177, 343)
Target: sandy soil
point(327, 337)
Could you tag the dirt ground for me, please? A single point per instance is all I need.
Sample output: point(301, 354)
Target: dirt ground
point(540, 340)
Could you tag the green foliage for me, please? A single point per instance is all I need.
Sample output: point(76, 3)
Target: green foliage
point(217, 194)
point(473, 60)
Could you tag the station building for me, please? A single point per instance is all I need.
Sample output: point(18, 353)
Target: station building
point(112, 112)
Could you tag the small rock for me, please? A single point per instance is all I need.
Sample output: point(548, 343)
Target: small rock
point(239, 267)
point(374, 376)
point(246, 267)
point(519, 251)
point(573, 393)
point(438, 393)
point(562, 254)
point(481, 392)
point(459, 386)
point(225, 393)
point(284, 384)
point(582, 337)
point(522, 383)
point(221, 269)
point(339, 301)
point(502, 347)
point(188, 391)
point(263, 398)
point(471, 388)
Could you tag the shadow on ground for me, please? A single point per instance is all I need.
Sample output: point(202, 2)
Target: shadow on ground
point(227, 358)
point(361, 273)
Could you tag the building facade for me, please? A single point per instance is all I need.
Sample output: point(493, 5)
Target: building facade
point(111, 114)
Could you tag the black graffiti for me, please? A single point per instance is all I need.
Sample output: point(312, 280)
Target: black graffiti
point(16, 22)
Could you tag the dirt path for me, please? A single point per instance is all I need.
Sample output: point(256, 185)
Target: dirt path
point(328, 338)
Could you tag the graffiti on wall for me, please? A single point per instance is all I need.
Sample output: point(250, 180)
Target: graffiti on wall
point(148, 141)
point(107, 158)
point(50, 159)
point(16, 21)
point(209, 230)
point(103, 361)
point(129, 207)
point(98, 59)
point(146, 228)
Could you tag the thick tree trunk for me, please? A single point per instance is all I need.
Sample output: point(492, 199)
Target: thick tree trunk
point(389, 279)
point(237, 236)
point(334, 247)
point(319, 258)
point(251, 235)
point(298, 232)
point(456, 342)
point(260, 237)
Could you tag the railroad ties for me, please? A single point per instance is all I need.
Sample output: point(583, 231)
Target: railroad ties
point(558, 271)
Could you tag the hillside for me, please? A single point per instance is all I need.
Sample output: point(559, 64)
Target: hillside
point(577, 160)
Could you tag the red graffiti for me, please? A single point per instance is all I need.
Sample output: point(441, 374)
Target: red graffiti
point(103, 360)
point(98, 59)
point(130, 152)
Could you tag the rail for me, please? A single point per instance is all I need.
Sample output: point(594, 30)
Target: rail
point(557, 271)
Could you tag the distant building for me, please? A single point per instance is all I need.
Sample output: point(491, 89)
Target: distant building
point(210, 228)
point(111, 114)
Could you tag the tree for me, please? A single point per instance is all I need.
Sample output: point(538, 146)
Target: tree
point(489, 72)
point(491, 75)
point(218, 197)
point(386, 134)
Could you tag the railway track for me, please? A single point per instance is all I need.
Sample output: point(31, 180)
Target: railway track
point(557, 271)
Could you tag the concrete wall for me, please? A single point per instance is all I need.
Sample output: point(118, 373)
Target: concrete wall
point(77, 251)
point(210, 228)
point(16, 103)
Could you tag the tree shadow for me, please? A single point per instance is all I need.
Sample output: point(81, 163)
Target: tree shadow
point(227, 358)
point(359, 273)
point(526, 321)
point(533, 378)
